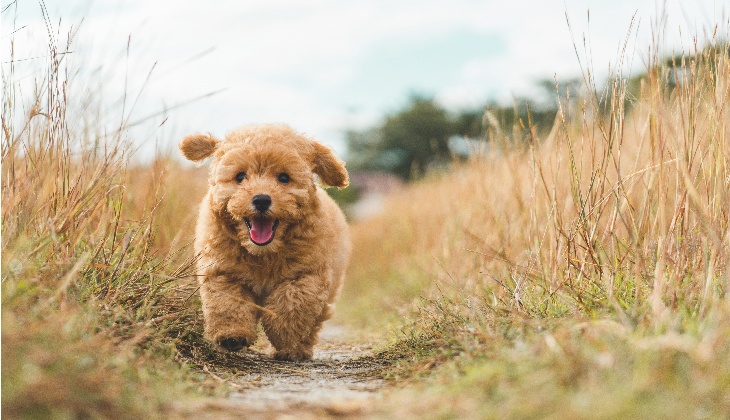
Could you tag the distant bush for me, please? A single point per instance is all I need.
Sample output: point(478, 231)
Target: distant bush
point(419, 137)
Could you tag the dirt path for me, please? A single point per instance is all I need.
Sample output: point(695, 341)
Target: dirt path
point(342, 380)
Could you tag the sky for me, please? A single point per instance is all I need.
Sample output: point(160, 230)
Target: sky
point(325, 66)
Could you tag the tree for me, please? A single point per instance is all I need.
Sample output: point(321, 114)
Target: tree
point(411, 140)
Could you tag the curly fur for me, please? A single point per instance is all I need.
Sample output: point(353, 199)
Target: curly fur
point(290, 284)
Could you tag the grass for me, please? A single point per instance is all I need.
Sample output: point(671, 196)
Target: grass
point(97, 286)
point(582, 273)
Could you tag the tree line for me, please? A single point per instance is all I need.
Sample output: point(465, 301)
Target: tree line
point(424, 135)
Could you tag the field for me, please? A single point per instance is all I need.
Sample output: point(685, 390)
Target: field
point(571, 274)
point(580, 275)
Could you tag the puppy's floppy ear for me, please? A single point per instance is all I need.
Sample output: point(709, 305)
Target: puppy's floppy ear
point(198, 146)
point(330, 169)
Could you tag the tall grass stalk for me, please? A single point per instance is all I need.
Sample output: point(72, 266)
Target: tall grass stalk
point(93, 300)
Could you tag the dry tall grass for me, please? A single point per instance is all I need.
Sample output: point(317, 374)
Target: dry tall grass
point(95, 278)
point(583, 274)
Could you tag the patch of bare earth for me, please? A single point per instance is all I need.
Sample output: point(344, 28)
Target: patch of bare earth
point(342, 380)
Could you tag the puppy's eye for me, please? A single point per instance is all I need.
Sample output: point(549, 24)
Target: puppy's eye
point(240, 176)
point(283, 178)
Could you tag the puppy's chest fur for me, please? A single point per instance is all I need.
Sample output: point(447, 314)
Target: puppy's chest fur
point(261, 274)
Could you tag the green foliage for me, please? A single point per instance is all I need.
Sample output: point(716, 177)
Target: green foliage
point(418, 135)
point(415, 139)
point(407, 142)
point(344, 196)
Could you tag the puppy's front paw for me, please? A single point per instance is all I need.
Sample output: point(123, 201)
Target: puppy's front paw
point(293, 355)
point(232, 343)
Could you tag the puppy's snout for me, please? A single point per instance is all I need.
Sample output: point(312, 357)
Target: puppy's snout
point(262, 202)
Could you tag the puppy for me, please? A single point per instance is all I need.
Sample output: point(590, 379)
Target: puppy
point(272, 245)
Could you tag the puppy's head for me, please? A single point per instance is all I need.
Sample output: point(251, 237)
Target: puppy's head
point(262, 181)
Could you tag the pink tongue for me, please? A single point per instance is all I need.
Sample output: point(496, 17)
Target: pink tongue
point(261, 230)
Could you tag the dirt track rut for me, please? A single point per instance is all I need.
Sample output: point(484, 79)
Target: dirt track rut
point(342, 380)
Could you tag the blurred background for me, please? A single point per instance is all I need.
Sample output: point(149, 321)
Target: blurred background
point(335, 69)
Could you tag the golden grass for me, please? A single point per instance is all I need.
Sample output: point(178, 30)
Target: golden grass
point(601, 206)
point(96, 279)
point(584, 274)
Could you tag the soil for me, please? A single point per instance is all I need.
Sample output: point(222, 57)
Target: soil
point(342, 380)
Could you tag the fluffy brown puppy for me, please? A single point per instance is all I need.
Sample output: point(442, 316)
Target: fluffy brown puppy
point(272, 244)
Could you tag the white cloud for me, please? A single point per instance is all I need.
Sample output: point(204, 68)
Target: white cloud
point(292, 61)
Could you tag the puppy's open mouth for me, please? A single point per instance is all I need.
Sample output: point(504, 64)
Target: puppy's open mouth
point(261, 229)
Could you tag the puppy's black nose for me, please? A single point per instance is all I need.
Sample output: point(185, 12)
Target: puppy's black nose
point(262, 202)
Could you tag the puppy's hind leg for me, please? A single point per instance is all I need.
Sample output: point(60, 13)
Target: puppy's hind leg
point(229, 312)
